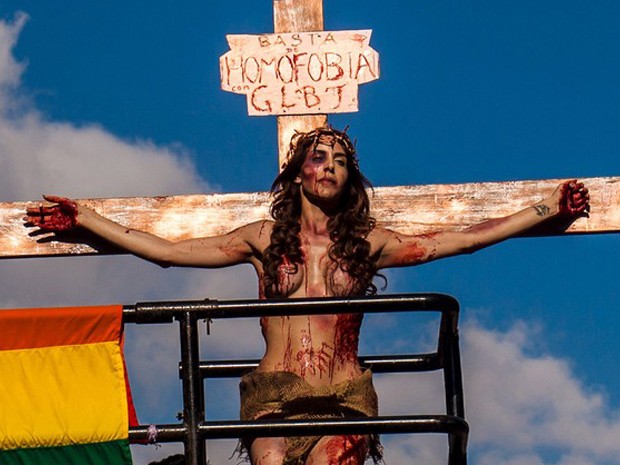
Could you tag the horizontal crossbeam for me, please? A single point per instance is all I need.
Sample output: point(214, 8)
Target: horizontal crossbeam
point(408, 209)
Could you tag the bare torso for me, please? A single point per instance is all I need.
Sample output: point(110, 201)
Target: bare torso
point(322, 349)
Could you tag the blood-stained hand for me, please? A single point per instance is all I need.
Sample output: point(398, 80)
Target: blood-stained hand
point(61, 217)
point(574, 199)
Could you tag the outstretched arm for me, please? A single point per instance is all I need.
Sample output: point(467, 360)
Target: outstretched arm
point(569, 200)
point(238, 246)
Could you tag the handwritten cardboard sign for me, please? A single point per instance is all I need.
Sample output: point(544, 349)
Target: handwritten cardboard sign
point(299, 73)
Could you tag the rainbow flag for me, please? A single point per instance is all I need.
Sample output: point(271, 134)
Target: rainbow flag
point(64, 395)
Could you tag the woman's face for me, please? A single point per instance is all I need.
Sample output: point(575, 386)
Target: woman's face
point(324, 173)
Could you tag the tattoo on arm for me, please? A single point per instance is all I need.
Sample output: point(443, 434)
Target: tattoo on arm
point(542, 210)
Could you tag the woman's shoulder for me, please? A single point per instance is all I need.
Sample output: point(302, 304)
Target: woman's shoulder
point(378, 234)
point(259, 231)
point(378, 238)
point(260, 225)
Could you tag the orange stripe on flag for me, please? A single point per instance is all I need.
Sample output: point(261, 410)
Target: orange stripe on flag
point(47, 327)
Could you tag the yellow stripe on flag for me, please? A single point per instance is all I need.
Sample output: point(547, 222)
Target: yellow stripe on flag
point(62, 395)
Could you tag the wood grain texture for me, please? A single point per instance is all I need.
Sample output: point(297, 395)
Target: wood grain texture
point(296, 16)
point(408, 209)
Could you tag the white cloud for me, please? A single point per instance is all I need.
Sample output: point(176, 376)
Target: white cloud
point(40, 156)
point(43, 157)
point(523, 407)
point(10, 70)
point(524, 403)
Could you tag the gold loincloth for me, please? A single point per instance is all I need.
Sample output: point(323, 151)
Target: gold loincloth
point(287, 396)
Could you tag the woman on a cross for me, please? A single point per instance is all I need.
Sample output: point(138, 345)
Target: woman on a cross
point(321, 242)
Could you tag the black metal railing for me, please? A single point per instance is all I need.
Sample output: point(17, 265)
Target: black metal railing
point(195, 429)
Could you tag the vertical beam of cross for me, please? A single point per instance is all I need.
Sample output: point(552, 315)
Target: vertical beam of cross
point(296, 16)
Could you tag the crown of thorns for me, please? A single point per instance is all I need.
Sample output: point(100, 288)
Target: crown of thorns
point(319, 136)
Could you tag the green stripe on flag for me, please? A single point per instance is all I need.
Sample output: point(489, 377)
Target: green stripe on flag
point(102, 453)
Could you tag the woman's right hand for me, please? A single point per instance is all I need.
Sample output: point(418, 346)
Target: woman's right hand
point(61, 217)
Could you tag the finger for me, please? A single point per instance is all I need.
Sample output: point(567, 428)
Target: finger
point(578, 196)
point(582, 196)
point(28, 221)
point(55, 198)
point(579, 200)
point(581, 204)
point(33, 210)
point(34, 221)
point(573, 210)
point(40, 211)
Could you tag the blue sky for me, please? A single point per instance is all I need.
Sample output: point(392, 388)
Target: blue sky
point(118, 99)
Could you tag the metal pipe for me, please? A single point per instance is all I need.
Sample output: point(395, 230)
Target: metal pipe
point(193, 393)
point(392, 424)
point(164, 312)
point(454, 397)
point(445, 424)
point(378, 364)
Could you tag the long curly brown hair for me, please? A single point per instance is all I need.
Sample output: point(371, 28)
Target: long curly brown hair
point(348, 228)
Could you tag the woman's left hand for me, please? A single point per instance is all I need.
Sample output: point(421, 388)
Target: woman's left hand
point(571, 198)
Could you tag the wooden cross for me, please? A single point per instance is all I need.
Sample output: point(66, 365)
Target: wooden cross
point(408, 209)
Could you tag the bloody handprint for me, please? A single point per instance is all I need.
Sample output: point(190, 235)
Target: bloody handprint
point(61, 217)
